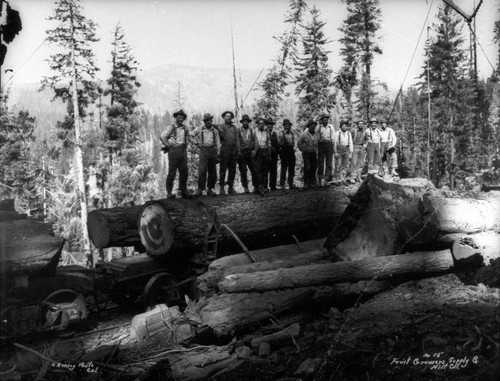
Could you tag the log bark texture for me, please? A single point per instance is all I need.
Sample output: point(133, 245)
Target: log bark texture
point(258, 221)
point(485, 244)
point(367, 228)
point(313, 275)
point(26, 245)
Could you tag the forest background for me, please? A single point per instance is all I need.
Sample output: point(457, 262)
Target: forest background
point(66, 149)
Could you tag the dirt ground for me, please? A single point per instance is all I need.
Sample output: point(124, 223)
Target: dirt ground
point(431, 329)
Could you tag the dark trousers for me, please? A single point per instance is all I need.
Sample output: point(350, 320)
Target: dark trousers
point(177, 160)
point(358, 159)
point(207, 164)
point(228, 159)
point(325, 159)
point(310, 167)
point(373, 153)
point(343, 159)
point(262, 165)
point(388, 155)
point(246, 161)
point(287, 157)
point(273, 170)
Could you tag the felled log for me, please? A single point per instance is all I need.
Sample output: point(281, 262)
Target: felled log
point(207, 283)
point(320, 274)
point(367, 227)
point(485, 246)
point(8, 211)
point(27, 245)
point(258, 221)
point(276, 338)
point(436, 215)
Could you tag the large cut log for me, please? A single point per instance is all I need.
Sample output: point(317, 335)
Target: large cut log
point(26, 245)
point(258, 221)
point(207, 283)
point(367, 228)
point(484, 245)
point(330, 273)
point(436, 215)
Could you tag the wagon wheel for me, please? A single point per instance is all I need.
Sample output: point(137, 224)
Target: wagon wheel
point(161, 288)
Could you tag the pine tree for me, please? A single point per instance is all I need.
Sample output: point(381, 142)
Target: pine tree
point(451, 95)
point(313, 84)
point(73, 82)
point(359, 45)
point(278, 77)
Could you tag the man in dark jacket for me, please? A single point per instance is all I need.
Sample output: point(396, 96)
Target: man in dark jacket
point(246, 160)
point(229, 153)
point(286, 142)
point(209, 143)
point(273, 164)
point(262, 153)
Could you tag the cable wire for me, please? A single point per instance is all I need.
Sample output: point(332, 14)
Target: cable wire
point(411, 61)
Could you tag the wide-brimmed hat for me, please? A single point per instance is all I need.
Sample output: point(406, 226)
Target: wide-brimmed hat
point(360, 121)
point(342, 122)
point(207, 116)
point(227, 112)
point(323, 116)
point(245, 117)
point(286, 122)
point(180, 112)
point(373, 120)
point(311, 122)
point(270, 121)
point(259, 119)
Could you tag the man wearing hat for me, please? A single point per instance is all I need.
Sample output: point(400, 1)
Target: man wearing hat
point(273, 164)
point(246, 160)
point(286, 142)
point(175, 140)
point(308, 145)
point(373, 145)
point(326, 136)
point(388, 148)
point(343, 148)
point(359, 149)
point(209, 143)
point(262, 154)
point(229, 153)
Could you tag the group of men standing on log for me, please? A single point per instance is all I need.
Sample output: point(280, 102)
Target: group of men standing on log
point(326, 151)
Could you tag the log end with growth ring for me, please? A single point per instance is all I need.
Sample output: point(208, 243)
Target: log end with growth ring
point(155, 229)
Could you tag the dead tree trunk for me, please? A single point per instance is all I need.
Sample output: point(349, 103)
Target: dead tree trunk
point(320, 274)
point(258, 221)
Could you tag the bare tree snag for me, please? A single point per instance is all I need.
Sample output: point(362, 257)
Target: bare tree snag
point(320, 274)
point(207, 283)
point(367, 227)
point(486, 244)
point(258, 221)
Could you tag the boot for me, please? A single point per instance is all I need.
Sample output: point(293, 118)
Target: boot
point(198, 193)
point(170, 195)
point(186, 194)
point(231, 191)
point(222, 191)
point(210, 192)
point(246, 190)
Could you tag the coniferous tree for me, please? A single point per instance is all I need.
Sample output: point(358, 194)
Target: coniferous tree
point(359, 45)
point(278, 77)
point(313, 84)
point(451, 95)
point(73, 82)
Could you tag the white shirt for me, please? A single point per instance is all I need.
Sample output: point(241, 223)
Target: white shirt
point(388, 136)
point(326, 133)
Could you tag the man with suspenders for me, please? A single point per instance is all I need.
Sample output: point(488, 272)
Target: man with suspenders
point(175, 140)
point(308, 145)
point(373, 139)
point(262, 153)
point(209, 143)
point(388, 148)
point(326, 136)
point(343, 149)
point(359, 149)
point(229, 153)
point(286, 142)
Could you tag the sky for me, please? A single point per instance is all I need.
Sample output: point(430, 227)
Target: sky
point(198, 33)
